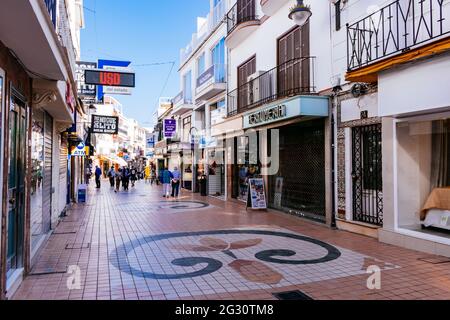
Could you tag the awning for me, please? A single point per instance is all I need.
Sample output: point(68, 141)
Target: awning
point(115, 159)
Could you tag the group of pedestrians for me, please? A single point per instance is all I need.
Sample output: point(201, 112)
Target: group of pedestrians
point(171, 182)
point(122, 176)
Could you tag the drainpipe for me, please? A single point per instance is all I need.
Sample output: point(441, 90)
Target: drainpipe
point(333, 162)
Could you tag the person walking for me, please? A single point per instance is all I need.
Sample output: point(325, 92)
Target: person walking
point(176, 177)
point(98, 174)
point(152, 175)
point(118, 176)
point(133, 176)
point(125, 178)
point(111, 176)
point(166, 178)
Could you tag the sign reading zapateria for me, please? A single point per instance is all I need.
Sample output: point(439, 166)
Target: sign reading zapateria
point(267, 115)
point(105, 124)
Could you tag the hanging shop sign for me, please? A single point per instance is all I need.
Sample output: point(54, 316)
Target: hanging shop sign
point(105, 124)
point(256, 194)
point(86, 92)
point(80, 150)
point(105, 65)
point(117, 90)
point(170, 128)
point(109, 78)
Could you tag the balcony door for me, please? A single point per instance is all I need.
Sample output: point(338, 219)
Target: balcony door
point(218, 61)
point(293, 64)
point(246, 10)
point(244, 71)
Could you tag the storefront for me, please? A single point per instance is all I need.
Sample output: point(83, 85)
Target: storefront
point(416, 156)
point(286, 144)
point(41, 176)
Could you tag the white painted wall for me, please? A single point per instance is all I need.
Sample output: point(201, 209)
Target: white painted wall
point(263, 43)
point(415, 88)
point(351, 109)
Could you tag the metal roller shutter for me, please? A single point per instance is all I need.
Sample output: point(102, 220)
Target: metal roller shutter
point(47, 182)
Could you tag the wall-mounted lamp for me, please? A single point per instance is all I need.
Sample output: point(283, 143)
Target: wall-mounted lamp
point(300, 13)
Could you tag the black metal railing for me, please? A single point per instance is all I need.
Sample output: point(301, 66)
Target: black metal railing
point(51, 8)
point(398, 27)
point(242, 11)
point(291, 78)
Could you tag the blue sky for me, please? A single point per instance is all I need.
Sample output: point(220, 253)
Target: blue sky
point(144, 32)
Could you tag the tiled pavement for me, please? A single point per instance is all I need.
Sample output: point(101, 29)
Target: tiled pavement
point(137, 245)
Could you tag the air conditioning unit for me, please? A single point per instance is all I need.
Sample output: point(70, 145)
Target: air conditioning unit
point(253, 87)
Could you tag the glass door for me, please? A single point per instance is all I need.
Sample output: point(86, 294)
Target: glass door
point(16, 184)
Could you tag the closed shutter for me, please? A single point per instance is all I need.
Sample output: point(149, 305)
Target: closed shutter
point(293, 72)
point(244, 71)
point(47, 183)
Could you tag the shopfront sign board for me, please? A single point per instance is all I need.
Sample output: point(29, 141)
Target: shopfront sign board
point(256, 198)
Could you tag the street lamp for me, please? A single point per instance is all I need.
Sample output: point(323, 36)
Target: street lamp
point(300, 13)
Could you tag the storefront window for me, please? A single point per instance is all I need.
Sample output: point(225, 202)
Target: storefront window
point(423, 176)
point(247, 164)
point(37, 175)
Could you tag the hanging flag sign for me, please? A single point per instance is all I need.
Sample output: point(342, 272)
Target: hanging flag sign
point(170, 128)
point(105, 124)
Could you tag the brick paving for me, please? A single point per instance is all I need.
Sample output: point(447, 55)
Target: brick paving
point(138, 245)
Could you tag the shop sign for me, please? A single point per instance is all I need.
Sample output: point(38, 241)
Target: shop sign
point(117, 90)
point(170, 128)
point(311, 106)
point(80, 150)
point(256, 194)
point(85, 91)
point(267, 115)
point(109, 78)
point(105, 124)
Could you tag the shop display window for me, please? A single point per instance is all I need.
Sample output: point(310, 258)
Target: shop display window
point(423, 176)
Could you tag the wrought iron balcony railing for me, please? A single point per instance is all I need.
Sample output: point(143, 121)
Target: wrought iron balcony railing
point(291, 78)
point(398, 27)
point(242, 11)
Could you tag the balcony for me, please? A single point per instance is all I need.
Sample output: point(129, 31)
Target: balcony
point(401, 27)
point(270, 7)
point(181, 104)
point(292, 78)
point(212, 21)
point(242, 20)
point(211, 82)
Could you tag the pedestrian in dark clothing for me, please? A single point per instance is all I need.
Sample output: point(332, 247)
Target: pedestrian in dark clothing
point(133, 176)
point(125, 178)
point(118, 176)
point(98, 174)
point(176, 177)
point(111, 176)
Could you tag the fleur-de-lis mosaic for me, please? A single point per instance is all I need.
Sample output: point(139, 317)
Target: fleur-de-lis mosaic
point(251, 270)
